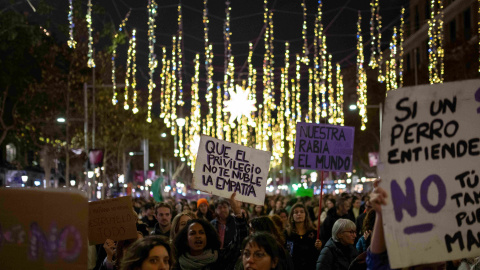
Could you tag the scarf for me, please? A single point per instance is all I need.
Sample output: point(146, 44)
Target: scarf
point(188, 261)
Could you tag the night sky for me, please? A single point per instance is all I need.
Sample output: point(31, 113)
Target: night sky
point(339, 20)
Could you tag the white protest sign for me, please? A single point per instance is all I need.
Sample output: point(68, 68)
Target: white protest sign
point(430, 166)
point(224, 167)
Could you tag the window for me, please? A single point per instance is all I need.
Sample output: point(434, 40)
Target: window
point(11, 152)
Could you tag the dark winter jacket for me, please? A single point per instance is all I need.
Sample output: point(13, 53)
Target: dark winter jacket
point(327, 225)
point(336, 256)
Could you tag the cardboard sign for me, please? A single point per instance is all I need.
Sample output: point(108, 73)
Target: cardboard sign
point(43, 229)
point(224, 167)
point(111, 219)
point(429, 165)
point(324, 147)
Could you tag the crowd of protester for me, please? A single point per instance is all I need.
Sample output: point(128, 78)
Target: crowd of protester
point(219, 233)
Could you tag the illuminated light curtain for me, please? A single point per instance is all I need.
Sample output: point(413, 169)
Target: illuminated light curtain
point(268, 83)
point(195, 114)
point(281, 109)
point(180, 57)
point(209, 126)
point(323, 87)
point(219, 113)
point(305, 52)
point(71, 42)
point(251, 83)
point(226, 126)
point(317, 40)
point(114, 55)
point(374, 54)
point(228, 82)
point(298, 110)
point(340, 100)
point(400, 48)
point(91, 61)
point(361, 77)
point(332, 105)
point(391, 64)
point(134, 71)
point(163, 84)
point(286, 88)
point(311, 111)
point(435, 42)
point(129, 70)
point(174, 101)
point(152, 61)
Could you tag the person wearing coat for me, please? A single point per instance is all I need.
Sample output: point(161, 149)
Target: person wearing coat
point(339, 250)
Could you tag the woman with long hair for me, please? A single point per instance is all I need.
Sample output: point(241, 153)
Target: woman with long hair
point(196, 246)
point(301, 240)
point(152, 252)
point(179, 221)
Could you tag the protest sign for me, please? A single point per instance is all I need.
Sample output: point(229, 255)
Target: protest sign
point(43, 229)
point(224, 167)
point(429, 165)
point(111, 219)
point(324, 147)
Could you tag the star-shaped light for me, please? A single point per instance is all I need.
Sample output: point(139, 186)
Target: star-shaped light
point(240, 104)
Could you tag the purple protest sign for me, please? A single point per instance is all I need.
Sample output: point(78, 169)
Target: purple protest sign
point(324, 147)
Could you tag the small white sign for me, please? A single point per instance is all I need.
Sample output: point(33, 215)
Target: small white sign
point(224, 167)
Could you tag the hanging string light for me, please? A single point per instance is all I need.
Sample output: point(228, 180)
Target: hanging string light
point(287, 97)
point(305, 52)
point(71, 42)
point(361, 77)
point(180, 56)
point(91, 61)
point(129, 69)
point(134, 71)
point(435, 42)
point(173, 70)
point(332, 110)
point(311, 111)
point(167, 112)
point(381, 76)
point(114, 55)
point(195, 111)
point(209, 129)
point(152, 61)
point(323, 87)
point(317, 40)
point(163, 83)
point(339, 79)
point(219, 113)
point(391, 76)
point(373, 42)
point(400, 48)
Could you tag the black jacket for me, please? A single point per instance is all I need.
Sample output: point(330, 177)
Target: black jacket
point(336, 256)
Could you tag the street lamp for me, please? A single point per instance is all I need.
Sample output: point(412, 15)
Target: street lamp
point(24, 179)
point(72, 182)
point(61, 120)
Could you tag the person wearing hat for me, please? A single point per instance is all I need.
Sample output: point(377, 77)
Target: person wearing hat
point(203, 211)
